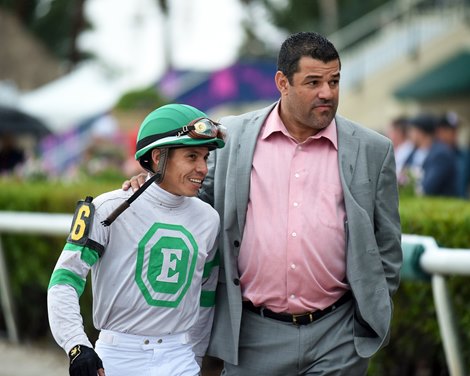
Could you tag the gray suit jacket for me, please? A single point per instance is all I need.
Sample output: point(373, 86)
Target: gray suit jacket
point(373, 233)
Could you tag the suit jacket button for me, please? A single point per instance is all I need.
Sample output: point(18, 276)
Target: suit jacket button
point(236, 243)
point(236, 281)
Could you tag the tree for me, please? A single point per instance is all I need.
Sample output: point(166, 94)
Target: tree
point(329, 15)
point(57, 24)
point(163, 5)
point(324, 16)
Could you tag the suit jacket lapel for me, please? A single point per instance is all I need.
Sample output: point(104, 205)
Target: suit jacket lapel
point(348, 147)
point(246, 150)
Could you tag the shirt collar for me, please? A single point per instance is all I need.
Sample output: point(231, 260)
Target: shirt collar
point(164, 198)
point(274, 124)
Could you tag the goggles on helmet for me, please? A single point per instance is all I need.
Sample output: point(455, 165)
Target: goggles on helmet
point(200, 128)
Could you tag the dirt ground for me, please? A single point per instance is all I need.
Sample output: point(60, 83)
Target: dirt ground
point(31, 360)
point(39, 360)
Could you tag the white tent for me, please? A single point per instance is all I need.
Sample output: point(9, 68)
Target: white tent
point(66, 102)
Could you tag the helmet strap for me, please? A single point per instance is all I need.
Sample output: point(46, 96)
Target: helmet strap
point(157, 177)
point(161, 166)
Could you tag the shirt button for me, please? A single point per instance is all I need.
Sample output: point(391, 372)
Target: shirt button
point(146, 342)
point(294, 234)
point(297, 175)
point(296, 204)
point(160, 341)
point(236, 281)
point(292, 266)
point(292, 296)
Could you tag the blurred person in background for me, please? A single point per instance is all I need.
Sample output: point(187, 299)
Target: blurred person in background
point(397, 131)
point(154, 266)
point(11, 155)
point(447, 131)
point(433, 165)
point(310, 247)
point(131, 166)
point(105, 153)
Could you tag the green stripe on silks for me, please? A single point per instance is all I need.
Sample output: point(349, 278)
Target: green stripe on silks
point(207, 299)
point(211, 264)
point(66, 277)
point(90, 256)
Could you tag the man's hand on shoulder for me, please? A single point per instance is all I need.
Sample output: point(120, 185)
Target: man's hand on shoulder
point(84, 361)
point(134, 182)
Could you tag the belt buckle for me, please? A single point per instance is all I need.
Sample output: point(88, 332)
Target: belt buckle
point(261, 311)
point(295, 317)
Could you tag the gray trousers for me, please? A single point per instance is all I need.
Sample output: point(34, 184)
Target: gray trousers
point(273, 348)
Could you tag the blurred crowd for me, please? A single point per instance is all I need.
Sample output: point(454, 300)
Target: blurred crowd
point(429, 159)
point(97, 148)
point(12, 155)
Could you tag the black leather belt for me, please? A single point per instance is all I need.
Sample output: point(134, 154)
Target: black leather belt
point(300, 319)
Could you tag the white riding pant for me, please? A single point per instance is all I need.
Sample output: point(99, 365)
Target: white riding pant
point(127, 354)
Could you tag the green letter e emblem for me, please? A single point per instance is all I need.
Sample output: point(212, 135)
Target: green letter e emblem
point(166, 258)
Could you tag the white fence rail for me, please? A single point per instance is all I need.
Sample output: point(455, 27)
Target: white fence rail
point(436, 261)
point(35, 223)
point(25, 223)
point(439, 262)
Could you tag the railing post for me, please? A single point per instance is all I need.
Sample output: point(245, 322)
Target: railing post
point(7, 301)
point(447, 325)
point(438, 262)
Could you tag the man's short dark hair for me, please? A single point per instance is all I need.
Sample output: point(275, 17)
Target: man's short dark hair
point(401, 124)
point(426, 122)
point(302, 44)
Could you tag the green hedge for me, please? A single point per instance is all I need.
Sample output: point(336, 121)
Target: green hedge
point(31, 258)
point(415, 347)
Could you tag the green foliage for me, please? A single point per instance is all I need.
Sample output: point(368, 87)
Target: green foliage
point(447, 220)
point(415, 346)
point(55, 23)
point(31, 258)
point(415, 340)
point(147, 99)
point(296, 16)
point(299, 15)
point(49, 196)
point(60, 26)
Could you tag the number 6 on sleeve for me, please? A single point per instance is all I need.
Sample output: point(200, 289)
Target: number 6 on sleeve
point(81, 223)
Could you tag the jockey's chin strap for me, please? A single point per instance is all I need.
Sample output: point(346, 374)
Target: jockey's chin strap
point(161, 166)
point(157, 177)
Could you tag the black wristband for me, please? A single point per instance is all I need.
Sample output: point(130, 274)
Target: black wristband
point(74, 353)
point(84, 361)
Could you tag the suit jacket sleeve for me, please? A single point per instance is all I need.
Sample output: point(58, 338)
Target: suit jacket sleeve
point(387, 221)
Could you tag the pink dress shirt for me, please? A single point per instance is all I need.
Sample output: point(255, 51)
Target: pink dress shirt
point(292, 256)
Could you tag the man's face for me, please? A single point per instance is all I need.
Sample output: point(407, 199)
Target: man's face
point(417, 136)
point(310, 103)
point(396, 135)
point(185, 170)
point(447, 135)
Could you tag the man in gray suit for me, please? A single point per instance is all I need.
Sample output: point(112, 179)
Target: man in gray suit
point(310, 231)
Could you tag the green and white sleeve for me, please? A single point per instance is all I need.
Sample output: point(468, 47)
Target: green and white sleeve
point(68, 280)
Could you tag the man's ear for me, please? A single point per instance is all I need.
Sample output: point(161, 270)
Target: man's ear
point(281, 82)
point(155, 156)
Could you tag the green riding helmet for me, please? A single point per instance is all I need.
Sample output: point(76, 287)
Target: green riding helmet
point(164, 128)
point(170, 126)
